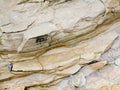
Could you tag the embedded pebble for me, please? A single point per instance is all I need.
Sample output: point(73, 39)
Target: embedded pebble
point(10, 66)
point(117, 61)
point(78, 80)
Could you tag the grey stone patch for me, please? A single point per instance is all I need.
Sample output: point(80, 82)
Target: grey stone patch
point(117, 61)
point(78, 80)
point(10, 66)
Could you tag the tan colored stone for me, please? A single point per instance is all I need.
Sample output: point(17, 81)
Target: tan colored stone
point(18, 88)
point(59, 62)
point(69, 71)
point(27, 66)
point(116, 87)
point(47, 42)
point(98, 65)
point(104, 88)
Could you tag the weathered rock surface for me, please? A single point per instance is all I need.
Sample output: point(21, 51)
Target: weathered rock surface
point(59, 45)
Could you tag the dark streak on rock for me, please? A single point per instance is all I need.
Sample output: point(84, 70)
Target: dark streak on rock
point(95, 61)
point(41, 38)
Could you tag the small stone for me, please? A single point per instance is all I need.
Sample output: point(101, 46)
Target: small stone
point(10, 66)
point(117, 61)
point(78, 80)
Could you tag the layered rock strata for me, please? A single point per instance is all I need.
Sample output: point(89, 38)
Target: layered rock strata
point(59, 44)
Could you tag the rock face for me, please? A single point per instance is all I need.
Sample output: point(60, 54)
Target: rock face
point(59, 44)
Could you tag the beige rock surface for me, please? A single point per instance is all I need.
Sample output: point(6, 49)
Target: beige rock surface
point(59, 45)
point(115, 87)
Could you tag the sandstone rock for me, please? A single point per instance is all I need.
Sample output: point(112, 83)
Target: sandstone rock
point(18, 88)
point(104, 88)
point(88, 69)
point(116, 87)
point(53, 22)
point(79, 79)
point(113, 53)
point(106, 76)
point(49, 40)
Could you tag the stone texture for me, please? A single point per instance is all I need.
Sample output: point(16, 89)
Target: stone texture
point(104, 88)
point(59, 45)
point(117, 61)
point(116, 87)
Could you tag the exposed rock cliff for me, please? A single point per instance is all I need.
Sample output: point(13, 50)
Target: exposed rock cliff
point(59, 44)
